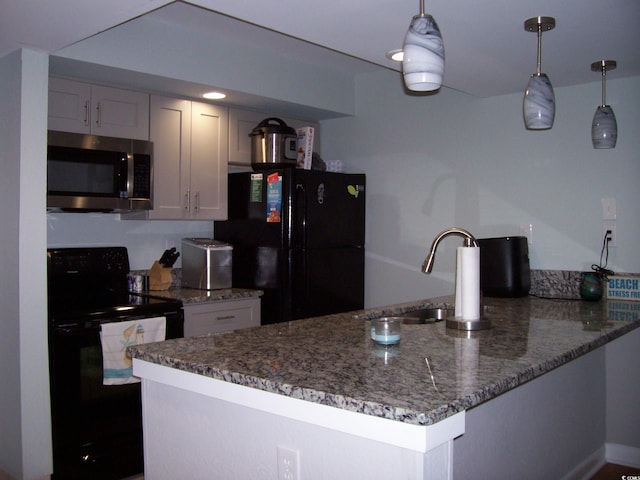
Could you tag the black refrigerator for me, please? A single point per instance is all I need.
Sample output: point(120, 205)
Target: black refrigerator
point(298, 235)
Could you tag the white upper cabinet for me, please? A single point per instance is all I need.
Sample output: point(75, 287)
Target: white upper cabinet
point(190, 145)
point(241, 122)
point(84, 108)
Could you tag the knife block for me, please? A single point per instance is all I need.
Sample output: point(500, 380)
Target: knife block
point(160, 277)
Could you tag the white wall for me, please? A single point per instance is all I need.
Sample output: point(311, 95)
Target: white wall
point(177, 52)
point(10, 449)
point(449, 159)
point(145, 241)
point(623, 416)
point(25, 442)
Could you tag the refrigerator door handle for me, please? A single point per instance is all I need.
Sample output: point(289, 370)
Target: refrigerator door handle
point(300, 217)
point(300, 225)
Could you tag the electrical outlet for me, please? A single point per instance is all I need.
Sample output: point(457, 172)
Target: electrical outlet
point(610, 232)
point(288, 464)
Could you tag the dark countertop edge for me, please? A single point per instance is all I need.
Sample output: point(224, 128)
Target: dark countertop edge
point(447, 409)
point(190, 296)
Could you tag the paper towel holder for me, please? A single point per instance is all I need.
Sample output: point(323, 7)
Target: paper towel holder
point(481, 323)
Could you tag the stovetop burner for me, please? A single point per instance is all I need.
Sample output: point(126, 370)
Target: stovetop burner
point(113, 308)
point(90, 285)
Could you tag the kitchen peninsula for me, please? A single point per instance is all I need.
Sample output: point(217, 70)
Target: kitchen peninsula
point(528, 398)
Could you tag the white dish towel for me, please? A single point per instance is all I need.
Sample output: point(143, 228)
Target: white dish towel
point(117, 336)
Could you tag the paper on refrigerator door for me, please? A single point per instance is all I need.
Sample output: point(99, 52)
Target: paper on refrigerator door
point(274, 198)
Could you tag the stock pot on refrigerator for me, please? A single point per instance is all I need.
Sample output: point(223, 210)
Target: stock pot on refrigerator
point(273, 144)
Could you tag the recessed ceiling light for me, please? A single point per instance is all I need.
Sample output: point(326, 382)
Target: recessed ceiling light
point(395, 55)
point(214, 95)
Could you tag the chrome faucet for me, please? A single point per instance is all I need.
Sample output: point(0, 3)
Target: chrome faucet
point(469, 241)
point(467, 316)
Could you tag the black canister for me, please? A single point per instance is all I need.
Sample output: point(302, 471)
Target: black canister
point(504, 267)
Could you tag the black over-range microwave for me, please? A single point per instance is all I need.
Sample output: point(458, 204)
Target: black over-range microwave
point(94, 173)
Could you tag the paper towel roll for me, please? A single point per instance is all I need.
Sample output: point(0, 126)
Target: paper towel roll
point(458, 303)
point(468, 277)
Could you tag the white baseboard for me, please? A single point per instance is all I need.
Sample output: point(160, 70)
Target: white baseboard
point(608, 453)
point(622, 454)
point(589, 466)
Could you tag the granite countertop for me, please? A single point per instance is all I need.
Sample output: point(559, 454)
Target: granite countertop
point(193, 295)
point(331, 360)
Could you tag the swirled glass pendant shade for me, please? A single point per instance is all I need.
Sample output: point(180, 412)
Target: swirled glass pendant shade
point(539, 105)
point(604, 128)
point(423, 61)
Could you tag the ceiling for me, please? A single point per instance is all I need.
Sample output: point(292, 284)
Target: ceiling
point(488, 52)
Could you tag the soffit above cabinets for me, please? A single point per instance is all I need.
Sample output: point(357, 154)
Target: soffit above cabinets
point(488, 52)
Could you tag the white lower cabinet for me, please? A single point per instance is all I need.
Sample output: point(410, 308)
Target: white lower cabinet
point(222, 316)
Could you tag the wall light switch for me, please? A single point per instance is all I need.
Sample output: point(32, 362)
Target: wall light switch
point(608, 208)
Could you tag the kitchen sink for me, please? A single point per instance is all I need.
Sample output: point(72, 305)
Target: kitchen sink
point(426, 315)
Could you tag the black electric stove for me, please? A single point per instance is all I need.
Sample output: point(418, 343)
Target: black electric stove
point(97, 429)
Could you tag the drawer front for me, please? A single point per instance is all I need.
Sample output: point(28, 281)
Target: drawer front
point(219, 317)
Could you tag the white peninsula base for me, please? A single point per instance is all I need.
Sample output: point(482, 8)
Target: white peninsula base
point(564, 424)
point(197, 427)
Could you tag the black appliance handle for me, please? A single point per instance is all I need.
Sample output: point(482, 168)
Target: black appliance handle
point(301, 227)
point(79, 326)
point(301, 215)
point(123, 176)
point(268, 121)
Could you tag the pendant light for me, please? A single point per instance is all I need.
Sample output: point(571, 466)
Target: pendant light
point(423, 61)
point(604, 128)
point(539, 105)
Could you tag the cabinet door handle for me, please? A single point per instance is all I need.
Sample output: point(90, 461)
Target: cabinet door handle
point(187, 200)
point(98, 116)
point(196, 201)
point(227, 317)
point(86, 112)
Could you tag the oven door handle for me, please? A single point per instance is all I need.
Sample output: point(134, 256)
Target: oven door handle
point(84, 325)
point(175, 324)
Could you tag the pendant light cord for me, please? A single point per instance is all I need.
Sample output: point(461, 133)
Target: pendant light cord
point(539, 65)
point(604, 85)
point(602, 269)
